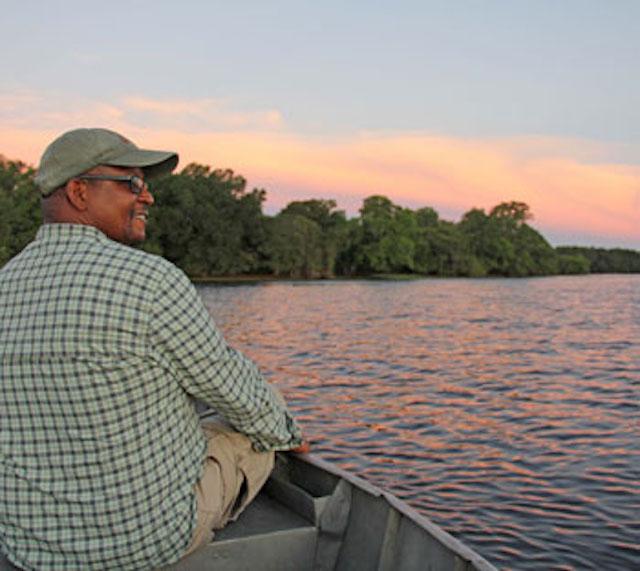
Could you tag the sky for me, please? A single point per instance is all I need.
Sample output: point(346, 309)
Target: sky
point(452, 105)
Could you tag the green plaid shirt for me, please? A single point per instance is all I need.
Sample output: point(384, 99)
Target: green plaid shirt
point(101, 346)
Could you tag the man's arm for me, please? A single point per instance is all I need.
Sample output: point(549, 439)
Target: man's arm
point(188, 342)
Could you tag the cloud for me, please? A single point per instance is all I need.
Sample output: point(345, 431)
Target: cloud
point(567, 195)
point(15, 104)
point(572, 186)
point(33, 110)
point(28, 110)
point(197, 115)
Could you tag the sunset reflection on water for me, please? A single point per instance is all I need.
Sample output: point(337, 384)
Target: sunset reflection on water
point(507, 411)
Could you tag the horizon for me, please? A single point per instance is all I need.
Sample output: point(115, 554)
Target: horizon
point(448, 106)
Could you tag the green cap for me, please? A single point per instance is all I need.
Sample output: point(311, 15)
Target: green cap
point(75, 152)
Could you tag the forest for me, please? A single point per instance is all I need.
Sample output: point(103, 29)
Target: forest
point(211, 225)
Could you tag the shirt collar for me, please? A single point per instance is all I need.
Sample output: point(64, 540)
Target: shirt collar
point(64, 231)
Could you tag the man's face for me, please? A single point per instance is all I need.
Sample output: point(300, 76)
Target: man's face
point(114, 209)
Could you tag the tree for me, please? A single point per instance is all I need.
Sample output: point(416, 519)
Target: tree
point(573, 264)
point(294, 246)
point(534, 256)
point(601, 260)
point(426, 217)
point(348, 251)
point(387, 240)
point(504, 244)
point(332, 224)
point(516, 213)
point(441, 248)
point(20, 215)
point(442, 251)
point(207, 223)
point(486, 240)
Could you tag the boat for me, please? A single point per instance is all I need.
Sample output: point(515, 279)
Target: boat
point(314, 516)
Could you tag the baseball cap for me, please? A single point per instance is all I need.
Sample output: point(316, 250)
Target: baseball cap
point(79, 150)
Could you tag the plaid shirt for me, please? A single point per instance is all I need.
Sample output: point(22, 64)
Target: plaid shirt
point(100, 446)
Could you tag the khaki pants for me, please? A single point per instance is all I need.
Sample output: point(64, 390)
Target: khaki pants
point(233, 475)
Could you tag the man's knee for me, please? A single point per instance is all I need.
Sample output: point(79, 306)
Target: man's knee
point(234, 471)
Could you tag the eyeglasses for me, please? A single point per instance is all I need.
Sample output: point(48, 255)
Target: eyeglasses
point(136, 184)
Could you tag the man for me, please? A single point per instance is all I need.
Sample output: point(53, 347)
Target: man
point(103, 461)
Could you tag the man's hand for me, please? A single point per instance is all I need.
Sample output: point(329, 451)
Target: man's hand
point(304, 448)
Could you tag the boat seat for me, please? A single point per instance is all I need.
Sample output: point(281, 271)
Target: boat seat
point(267, 536)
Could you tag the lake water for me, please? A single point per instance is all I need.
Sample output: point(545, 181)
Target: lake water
point(506, 410)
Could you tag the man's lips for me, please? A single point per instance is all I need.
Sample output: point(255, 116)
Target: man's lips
point(141, 216)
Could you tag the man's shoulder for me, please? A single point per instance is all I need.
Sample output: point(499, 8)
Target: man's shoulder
point(137, 257)
point(90, 253)
point(144, 263)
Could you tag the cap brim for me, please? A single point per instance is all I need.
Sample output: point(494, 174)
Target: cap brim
point(152, 163)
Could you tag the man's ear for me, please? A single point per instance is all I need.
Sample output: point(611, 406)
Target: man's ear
point(77, 193)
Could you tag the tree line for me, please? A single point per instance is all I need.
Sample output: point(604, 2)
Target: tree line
point(210, 224)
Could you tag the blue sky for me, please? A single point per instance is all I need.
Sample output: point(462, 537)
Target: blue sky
point(329, 74)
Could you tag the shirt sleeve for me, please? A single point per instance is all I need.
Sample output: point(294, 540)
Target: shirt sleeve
point(208, 369)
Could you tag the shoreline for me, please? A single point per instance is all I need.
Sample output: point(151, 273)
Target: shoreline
point(257, 278)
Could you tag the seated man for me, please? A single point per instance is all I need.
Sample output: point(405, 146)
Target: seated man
point(103, 461)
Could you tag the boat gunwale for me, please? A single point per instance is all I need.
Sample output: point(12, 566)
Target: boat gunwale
point(439, 534)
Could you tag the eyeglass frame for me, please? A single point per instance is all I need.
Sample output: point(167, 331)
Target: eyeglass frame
point(135, 187)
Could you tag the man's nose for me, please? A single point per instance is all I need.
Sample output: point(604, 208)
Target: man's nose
point(146, 196)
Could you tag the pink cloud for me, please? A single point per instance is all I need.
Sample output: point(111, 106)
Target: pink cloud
point(203, 113)
point(565, 194)
point(570, 185)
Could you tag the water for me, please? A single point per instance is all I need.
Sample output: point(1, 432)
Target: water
point(507, 411)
